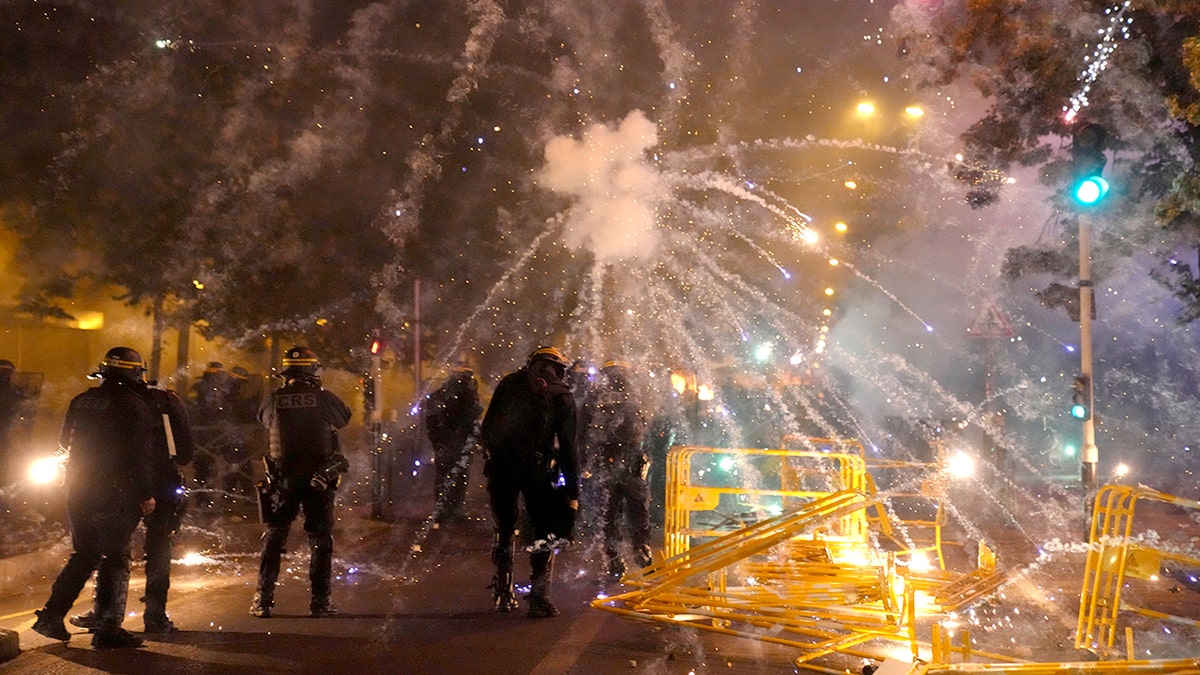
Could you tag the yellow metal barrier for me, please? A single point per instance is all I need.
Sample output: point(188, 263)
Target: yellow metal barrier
point(812, 578)
point(714, 491)
point(945, 652)
point(909, 534)
point(709, 493)
point(1114, 558)
point(794, 579)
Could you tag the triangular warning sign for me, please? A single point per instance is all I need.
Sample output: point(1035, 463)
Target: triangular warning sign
point(990, 322)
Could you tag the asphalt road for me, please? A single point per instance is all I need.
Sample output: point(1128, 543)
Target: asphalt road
point(412, 599)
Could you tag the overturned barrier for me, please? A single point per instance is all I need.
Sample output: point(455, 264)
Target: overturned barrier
point(815, 578)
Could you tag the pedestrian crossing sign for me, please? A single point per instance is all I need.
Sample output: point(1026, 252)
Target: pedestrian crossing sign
point(990, 322)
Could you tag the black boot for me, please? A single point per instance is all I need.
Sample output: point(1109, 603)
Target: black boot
point(321, 607)
point(156, 619)
point(320, 576)
point(616, 568)
point(503, 596)
point(261, 605)
point(89, 621)
point(540, 606)
point(643, 556)
point(50, 626)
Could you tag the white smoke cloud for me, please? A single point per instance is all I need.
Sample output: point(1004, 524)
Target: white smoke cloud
point(616, 187)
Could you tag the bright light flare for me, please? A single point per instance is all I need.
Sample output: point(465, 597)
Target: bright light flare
point(918, 561)
point(1121, 470)
point(195, 559)
point(866, 108)
point(47, 470)
point(914, 111)
point(763, 352)
point(678, 382)
point(961, 465)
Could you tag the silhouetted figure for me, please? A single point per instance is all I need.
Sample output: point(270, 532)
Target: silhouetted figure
point(172, 447)
point(211, 395)
point(613, 431)
point(305, 468)
point(109, 488)
point(12, 401)
point(451, 416)
point(529, 436)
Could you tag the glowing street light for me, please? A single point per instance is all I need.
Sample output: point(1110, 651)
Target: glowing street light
point(865, 108)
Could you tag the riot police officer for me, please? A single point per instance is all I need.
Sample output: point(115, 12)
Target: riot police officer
point(451, 415)
point(171, 447)
point(613, 432)
point(109, 488)
point(304, 468)
point(529, 435)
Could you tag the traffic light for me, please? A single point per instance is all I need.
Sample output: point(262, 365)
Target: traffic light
point(378, 343)
point(1081, 397)
point(1088, 186)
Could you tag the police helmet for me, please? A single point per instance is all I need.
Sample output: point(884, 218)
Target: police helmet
point(616, 373)
point(122, 362)
point(7, 366)
point(615, 366)
point(548, 354)
point(299, 361)
point(214, 367)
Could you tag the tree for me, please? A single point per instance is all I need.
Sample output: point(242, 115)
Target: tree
point(1138, 70)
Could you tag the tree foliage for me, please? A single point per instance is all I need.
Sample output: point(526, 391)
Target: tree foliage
point(1029, 59)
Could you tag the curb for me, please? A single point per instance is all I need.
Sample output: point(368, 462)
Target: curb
point(25, 570)
point(10, 644)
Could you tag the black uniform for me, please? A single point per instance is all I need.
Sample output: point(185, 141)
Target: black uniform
point(529, 433)
point(12, 398)
point(169, 453)
point(303, 420)
point(613, 433)
point(106, 432)
point(451, 418)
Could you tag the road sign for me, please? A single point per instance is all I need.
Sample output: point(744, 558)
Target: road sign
point(990, 322)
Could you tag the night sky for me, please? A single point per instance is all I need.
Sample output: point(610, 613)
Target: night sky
point(661, 181)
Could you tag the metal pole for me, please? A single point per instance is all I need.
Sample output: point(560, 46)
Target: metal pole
point(418, 427)
point(1091, 453)
point(417, 336)
point(379, 467)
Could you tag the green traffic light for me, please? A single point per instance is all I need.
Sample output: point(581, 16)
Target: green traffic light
point(1091, 190)
point(1079, 411)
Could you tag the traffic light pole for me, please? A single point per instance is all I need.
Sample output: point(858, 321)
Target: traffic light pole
point(1091, 453)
